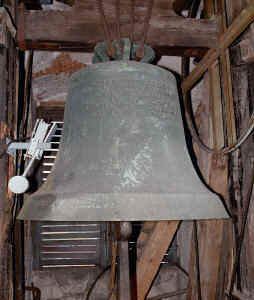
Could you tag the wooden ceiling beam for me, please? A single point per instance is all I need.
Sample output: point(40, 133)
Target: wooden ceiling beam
point(81, 29)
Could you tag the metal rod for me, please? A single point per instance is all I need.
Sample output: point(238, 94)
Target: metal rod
point(195, 229)
point(29, 166)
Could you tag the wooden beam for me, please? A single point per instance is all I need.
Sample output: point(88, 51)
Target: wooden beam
point(235, 29)
point(227, 79)
point(198, 52)
point(7, 165)
point(80, 28)
point(5, 261)
point(234, 8)
point(215, 237)
point(245, 46)
point(152, 254)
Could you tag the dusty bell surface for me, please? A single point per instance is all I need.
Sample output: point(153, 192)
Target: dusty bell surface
point(123, 155)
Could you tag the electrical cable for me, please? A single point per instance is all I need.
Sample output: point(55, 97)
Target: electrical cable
point(95, 281)
point(202, 145)
point(195, 231)
point(188, 110)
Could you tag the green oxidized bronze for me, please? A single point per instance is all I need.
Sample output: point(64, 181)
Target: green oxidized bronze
point(123, 156)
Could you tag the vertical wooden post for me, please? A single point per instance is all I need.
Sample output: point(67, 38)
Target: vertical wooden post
point(5, 261)
point(212, 234)
point(7, 128)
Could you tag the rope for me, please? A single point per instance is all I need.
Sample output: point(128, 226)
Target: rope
point(132, 20)
point(140, 52)
point(105, 26)
point(117, 6)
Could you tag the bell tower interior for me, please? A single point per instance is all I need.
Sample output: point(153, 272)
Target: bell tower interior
point(126, 149)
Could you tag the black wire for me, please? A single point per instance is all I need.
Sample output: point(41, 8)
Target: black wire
point(95, 281)
point(12, 240)
point(195, 229)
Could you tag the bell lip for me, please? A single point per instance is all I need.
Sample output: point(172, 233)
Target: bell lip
point(126, 207)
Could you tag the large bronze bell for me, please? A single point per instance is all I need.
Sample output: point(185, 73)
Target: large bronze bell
point(123, 155)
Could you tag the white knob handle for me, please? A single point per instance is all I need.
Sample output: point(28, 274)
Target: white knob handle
point(18, 184)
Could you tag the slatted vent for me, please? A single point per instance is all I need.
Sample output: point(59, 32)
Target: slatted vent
point(50, 155)
point(70, 244)
point(67, 244)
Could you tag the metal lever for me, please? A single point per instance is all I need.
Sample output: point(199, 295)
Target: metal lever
point(40, 141)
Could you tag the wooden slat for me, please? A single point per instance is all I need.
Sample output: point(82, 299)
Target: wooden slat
point(236, 28)
point(63, 248)
point(83, 255)
point(71, 262)
point(227, 79)
point(69, 228)
point(70, 236)
point(5, 197)
point(152, 254)
point(86, 243)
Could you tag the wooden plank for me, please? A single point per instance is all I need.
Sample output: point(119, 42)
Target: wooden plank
point(244, 51)
point(234, 8)
point(5, 279)
point(79, 47)
point(210, 233)
point(81, 29)
point(226, 79)
point(216, 106)
point(235, 29)
point(152, 254)
point(7, 129)
point(214, 240)
point(229, 138)
point(209, 8)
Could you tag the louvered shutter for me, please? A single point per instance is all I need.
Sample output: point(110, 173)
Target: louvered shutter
point(67, 244)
